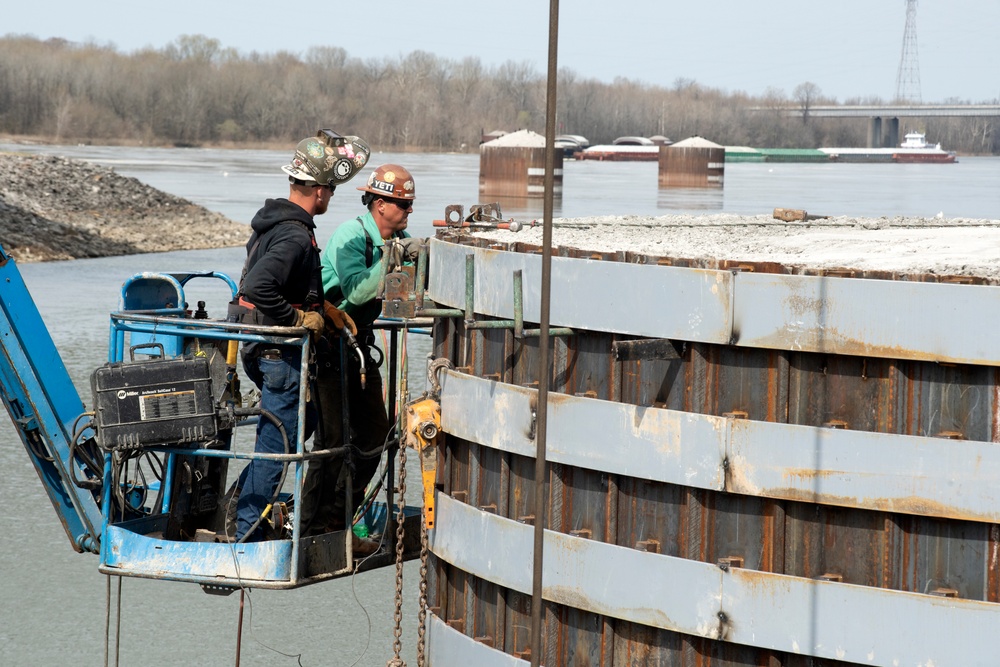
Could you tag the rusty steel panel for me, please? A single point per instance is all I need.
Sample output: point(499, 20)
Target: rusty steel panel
point(835, 544)
point(857, 393)
point(946, 558)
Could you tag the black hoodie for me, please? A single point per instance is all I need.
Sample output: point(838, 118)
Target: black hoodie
point(285, 266)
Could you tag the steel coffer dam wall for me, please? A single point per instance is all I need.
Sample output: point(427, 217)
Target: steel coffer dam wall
point(747, 465)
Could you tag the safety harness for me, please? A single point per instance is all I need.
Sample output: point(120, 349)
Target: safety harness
point(243, 311)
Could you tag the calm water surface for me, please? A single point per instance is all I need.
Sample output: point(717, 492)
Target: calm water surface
point(52, 600)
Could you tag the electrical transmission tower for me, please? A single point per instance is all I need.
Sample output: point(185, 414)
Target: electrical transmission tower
point(908, 76)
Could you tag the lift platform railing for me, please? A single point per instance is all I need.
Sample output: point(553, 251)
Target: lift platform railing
point(136, 546)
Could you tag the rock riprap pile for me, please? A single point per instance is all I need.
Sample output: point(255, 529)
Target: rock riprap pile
point(54, 208)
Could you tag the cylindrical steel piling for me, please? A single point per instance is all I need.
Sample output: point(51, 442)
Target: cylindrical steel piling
point(723, 482)
point(509, 169)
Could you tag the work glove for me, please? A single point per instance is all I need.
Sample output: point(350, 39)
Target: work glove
point(405, 249)
point(310, 320)
point(410, 247)
point(339, 318)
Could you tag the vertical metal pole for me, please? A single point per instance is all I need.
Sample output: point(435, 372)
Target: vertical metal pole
point(239, 627)
point(543, 341)
point(390, 403)
point(518, 304)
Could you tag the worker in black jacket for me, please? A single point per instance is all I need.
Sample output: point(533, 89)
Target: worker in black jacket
point(282, 286)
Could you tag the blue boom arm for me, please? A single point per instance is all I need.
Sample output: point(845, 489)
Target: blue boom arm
point(44, 406)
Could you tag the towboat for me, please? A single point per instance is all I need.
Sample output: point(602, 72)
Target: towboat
point(916, 149)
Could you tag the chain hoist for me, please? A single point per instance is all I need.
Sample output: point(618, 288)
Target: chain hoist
point(423, 426)
point(397, 631)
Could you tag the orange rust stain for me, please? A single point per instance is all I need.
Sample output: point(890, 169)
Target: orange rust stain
point(903, 504)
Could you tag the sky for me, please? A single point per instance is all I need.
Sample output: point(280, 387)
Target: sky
point(849, 48)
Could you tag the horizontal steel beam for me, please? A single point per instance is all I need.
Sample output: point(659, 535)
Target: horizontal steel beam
point(893, 111)
point(807, 617)
point(591, 294)
point(957, 479)
point(893, 319)
point(448, 646)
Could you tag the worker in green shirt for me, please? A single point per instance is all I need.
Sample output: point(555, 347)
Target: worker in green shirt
point(351, 271)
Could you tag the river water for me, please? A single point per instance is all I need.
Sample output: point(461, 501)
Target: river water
point(52, 600)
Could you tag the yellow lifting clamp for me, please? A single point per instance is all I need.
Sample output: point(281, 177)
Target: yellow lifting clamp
point(423, 424)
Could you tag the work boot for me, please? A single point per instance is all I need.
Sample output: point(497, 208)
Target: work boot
point(363, 546)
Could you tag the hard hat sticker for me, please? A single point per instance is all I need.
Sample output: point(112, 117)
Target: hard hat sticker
point(343, 168)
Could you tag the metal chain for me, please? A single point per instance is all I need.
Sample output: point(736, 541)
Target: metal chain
point(397, 644)
point(422, 613)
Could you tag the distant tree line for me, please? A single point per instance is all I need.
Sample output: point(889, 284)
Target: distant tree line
point(195, 92)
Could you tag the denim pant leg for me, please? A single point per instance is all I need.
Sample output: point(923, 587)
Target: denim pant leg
point(280, 397)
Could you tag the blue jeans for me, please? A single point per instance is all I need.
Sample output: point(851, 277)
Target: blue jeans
point(277, 372)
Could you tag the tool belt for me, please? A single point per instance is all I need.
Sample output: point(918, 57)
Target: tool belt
point(242, 311)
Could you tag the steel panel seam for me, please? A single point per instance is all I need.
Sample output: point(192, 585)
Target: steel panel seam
point(448, 646)
point(878, 471)
point(587, 294)
point(809, 617)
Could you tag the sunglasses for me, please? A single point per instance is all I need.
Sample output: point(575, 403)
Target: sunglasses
point(401, 204)
point(329, 186)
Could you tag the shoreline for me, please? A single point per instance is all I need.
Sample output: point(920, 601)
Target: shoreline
point(31, 140)
point(56, 208)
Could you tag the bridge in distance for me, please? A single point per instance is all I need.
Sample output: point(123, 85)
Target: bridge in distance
point(883, 120)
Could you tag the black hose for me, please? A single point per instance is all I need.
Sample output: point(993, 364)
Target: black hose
point(281, 481)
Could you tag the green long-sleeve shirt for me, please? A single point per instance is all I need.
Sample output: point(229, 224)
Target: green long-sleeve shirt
point(350, 281)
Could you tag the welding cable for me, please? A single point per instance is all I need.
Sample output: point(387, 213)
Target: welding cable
point(374, 489)
point(131, 486)
point(281, 481)
point(150, 458)
point(89, 464)
point(93, 465)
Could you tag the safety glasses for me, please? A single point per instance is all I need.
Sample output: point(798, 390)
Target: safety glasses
point(401, 204)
